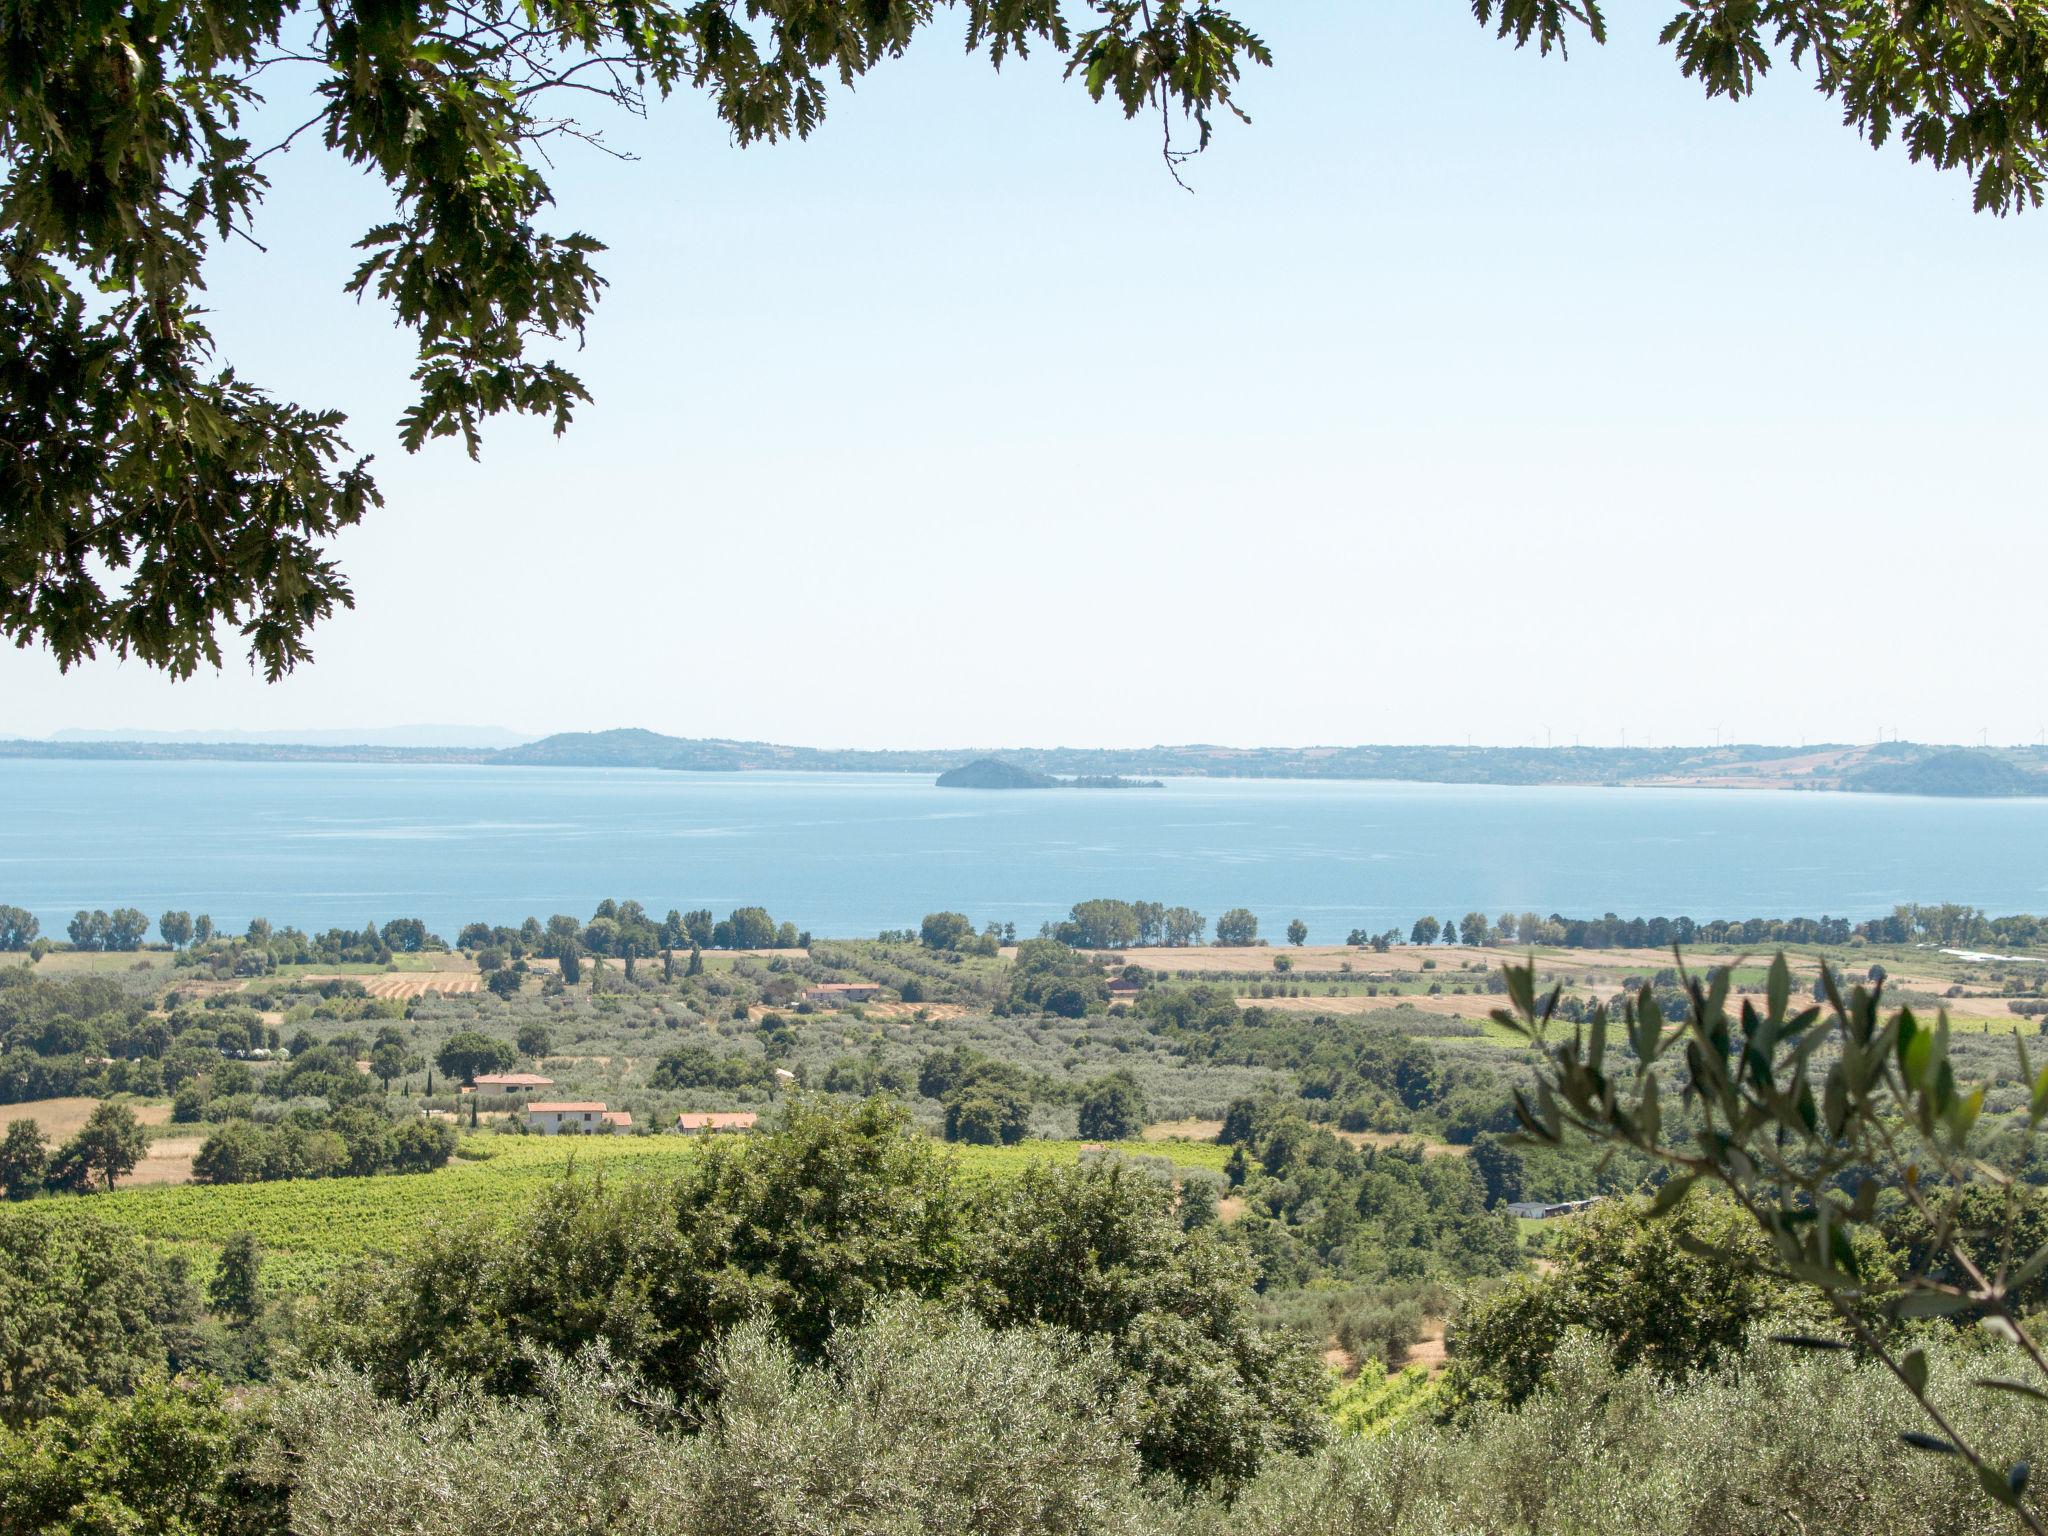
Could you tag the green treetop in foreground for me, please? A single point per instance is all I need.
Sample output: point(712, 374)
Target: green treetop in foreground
point(148, 494)
point(1812, 1118)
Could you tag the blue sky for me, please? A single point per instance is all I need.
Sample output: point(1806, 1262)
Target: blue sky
point(1470, 393)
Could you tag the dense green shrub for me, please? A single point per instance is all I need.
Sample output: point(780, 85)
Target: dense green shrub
point(165, 1457)
point(1674, 1296)
point(1099, 1252)
point(83, 1305)
point(811, 1228)
point(1774, 1441)
point(913, 1421)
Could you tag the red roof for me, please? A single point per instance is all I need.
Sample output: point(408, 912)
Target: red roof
point(578, 1107)
point(618, 1117)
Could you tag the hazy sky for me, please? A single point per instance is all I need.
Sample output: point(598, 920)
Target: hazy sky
point(1470, 393)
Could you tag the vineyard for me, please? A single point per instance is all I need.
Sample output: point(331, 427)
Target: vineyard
point(311, 1229)
point(1373, 1407)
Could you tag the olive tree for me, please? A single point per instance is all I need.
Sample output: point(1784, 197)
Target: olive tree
point(1808, 1117)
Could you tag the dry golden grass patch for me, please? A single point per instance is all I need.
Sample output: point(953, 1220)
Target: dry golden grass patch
point(79, 962)
point(1429, 1350)
point(169, 1161)
point(1789, 772)
point(61, 1119)
point(1183, 1130)
point(932, 1011)
point(1255, 957)
point(1396, 1139)
point(1475, 1008)
point(410, 984)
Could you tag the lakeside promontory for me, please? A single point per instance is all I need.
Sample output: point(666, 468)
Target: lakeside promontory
point(994, 773)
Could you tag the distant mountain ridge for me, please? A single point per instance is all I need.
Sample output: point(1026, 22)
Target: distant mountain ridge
point(1891, 767)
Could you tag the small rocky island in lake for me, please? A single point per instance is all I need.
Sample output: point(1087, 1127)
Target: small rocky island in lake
point(994, 773)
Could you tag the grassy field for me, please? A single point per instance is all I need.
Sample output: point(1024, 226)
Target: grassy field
point(65, 962)
point(171, 1148)
point(311, 1229)
point(1346, 982)
point(60, 1119)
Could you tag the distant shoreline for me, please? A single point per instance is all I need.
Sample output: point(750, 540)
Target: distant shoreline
point(1904, 768)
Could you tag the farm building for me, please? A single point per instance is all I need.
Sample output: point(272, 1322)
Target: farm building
point(833, 993)
point(1543, 1210)
point(504, 1083)
point(711, 1124)
point(1122, 986)
point(588, 1116)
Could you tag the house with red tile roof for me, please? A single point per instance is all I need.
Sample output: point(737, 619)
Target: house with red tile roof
point(588, 1116)
point(506, 1083)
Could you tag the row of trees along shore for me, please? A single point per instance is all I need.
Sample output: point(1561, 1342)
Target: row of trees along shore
point(615, 928)
point(1109, 923)
point(625, 929)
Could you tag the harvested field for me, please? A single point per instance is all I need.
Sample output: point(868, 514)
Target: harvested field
point(193, 988)
point(61, 1119)
point(1473, 1007)
point(1313, 959)
point(1796, 771)
point(1184, 1130)
point(79, 962)
point(434, 960)
point(1429, 1349)
point(932, 1011)
point(1395, 1139)
point(409, 984)
point(418, 984)
point(169, 1161)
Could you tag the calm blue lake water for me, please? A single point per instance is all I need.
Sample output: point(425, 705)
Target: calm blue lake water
point(849, 854)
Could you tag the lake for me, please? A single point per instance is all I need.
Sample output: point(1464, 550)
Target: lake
point(321, 845)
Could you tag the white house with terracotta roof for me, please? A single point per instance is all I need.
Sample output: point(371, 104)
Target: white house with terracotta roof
point(588, 1116)
point(504, 1084)
point(711, 1124)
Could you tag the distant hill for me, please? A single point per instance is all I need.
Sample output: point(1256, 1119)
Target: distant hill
point(1977, 775)
point(994, 773)
point(1890, 767)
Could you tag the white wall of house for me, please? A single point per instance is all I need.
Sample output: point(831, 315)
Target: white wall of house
point(550, 1122)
